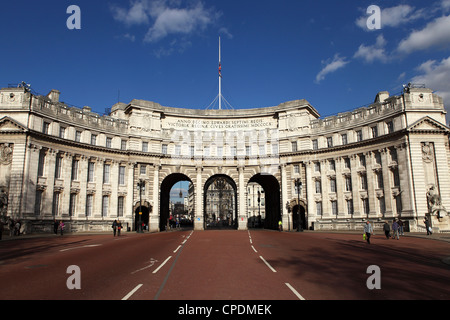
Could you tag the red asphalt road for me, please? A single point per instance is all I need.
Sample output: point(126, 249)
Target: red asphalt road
point(223, 265)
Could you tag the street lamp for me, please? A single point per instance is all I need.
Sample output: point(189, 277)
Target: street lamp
point(298, 184)
point(141, 187)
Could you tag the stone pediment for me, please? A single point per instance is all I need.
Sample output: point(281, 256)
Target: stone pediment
point(428, 124)
point(8, 125)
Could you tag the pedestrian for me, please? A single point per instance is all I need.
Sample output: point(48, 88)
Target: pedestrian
point(427, 226)
point(387, 230)
point(280, 225)
point(17, 228)
point(11, 227)
point(119, 227)
point(368, 231)
point(400, 224)
point(55, 226)
point(114, 226)
point(61, 226)
point(395, 228)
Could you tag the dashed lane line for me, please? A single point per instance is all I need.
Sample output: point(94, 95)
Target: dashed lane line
point(295, 291)
point(132, 292)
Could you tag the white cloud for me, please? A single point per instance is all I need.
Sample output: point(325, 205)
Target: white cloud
point(374, 52)
point(331, 66)
point(435, 75)
point(435, 34)
point(166, 17)
point(394, 16)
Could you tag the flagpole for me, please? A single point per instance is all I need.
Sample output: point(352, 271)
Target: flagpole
point(220, 79)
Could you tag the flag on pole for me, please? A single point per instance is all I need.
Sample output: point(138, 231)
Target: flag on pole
point(220, 70)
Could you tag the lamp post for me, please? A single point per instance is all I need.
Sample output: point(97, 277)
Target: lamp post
point(141, 187)
point(298, 184)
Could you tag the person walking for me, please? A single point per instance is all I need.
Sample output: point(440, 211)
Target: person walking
point(395, 228)
point(368, 230)
point(280, 225)
point(61, 226)
point(400, 224)
point(55, 226)
point(119, 227)
point(114, 226)
point(427, 226)
point(387, 230)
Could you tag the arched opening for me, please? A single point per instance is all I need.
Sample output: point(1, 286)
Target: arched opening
point(295, 217)
point(170, 214)
point(142, 218)
point(220, 203)
point(272, 206)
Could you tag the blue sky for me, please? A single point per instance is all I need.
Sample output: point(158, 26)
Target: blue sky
point(272, 51)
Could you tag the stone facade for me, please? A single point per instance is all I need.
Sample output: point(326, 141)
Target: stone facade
point(377, 162)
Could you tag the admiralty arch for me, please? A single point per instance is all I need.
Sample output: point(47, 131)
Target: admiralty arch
point(387, 160)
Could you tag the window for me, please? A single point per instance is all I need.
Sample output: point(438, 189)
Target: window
point(315, 144)
point(108, 142)
point(220, 151)
point(334, 207)
point(348, 183)
point(62, 132)
point(123, 145)
point(319, 208)
point(233, 151)
point(318, 186)
point(120, 202)
point(164, 149)
point(380, 180)
point(106, 171)
point(177, 150)
point(374, 131)
point(365, 204)
point(262, 150)
point(55, 206)
point(72, 203)
point(364, 182)
point(396, 177)
point(274, 149)
point(206, 151)
point(91, 166)
point(121, 175)
point(333, 185)
point(362, 160)
point(93, 139)
point(382, 205)
point(192, 150)
point(46, 127)
point(330, 142)
point(394, 154)
point(344, 139)
point(37, 203)
point(377, 157)
point(78, 136)
point(317, 166)
point(144, 146)
point(89, 204)
point(105, 206)
point(58, 167)
point(248, 150)
point(349, 206)
point(143, 169)
point(390, 126)
point(359, 136)
point(347, 163)
point(41, 163)
point(398, 204)
point(294, 146)
point(296, 168)
point(332, 165)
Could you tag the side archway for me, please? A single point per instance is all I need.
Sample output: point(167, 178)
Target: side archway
point(271, 188)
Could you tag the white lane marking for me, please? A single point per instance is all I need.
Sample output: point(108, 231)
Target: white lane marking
point(132, 292)
point(86, 246)
point(177, 249)
point(162, 264)
point(270, 267)
point(254, 249)
point(295, 291)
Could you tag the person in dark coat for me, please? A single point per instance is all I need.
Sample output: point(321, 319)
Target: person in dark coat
point(387, 229)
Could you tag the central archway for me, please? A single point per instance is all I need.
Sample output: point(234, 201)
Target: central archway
point(220, 203)
point(166, 186)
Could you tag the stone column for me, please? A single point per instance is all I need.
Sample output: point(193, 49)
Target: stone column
point(199, 217)
point(286, 216)
point(242, 216)
point(155, 214)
